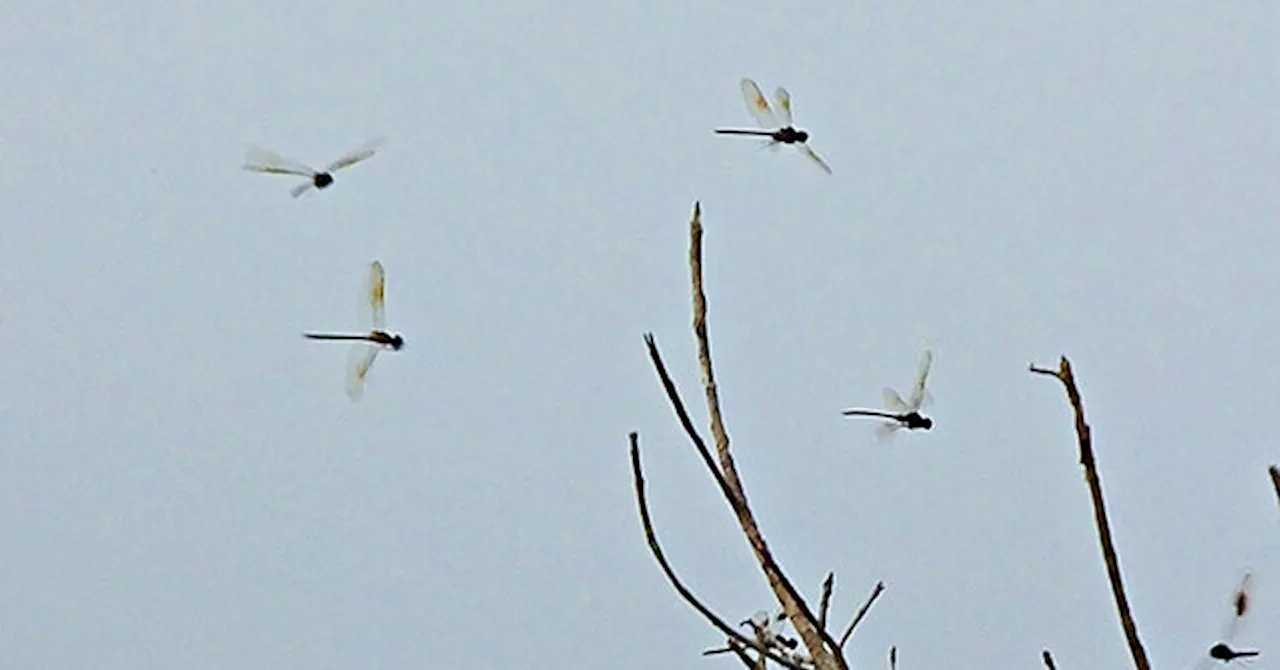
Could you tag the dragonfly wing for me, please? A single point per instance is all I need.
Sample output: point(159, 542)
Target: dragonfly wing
point(359, 360)
point(1240, 601)
point(917, 390)
point(783, 100)
point(804, 149)
point(886, 431)
point(257, 159)
point(375, 297)
point(758, 105)
point(366, 150)
point(893, 402)
point(298, 190)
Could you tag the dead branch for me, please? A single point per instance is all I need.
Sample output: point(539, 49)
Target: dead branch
point(822, 649)
point(824, 603)
point(1083, 436)
point(658, 555)
point(1048, 660)
point(862, 612)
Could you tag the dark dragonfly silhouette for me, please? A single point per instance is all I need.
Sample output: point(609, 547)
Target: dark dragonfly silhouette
point(373, 312)
point(261, 160)
point(777, 128)
point(1223, 652)
point(899, 413)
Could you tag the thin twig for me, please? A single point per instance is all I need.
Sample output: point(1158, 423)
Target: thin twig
point(822, 649)
point(824, 603)
point(893, 658)
point(658, 555)
point(1085, 439)
point(1048, 660)
point(862, 612)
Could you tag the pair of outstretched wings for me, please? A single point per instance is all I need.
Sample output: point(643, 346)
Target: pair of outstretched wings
point(919, 396)
point(373, 317)
point(758, 107)
point(261, 160)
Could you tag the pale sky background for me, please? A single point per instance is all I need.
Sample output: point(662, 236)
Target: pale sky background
point(183, 483)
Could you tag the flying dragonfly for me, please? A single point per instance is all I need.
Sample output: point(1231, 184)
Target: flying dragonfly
point(778, 132)
point(261, 160)
point(367, 345)
point(1223, 652)
point(901, 413)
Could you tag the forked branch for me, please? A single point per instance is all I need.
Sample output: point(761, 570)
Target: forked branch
point(1084, 437)
point(823, 651)
point(659, 556)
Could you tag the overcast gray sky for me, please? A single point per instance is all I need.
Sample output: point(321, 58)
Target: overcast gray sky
point(183, 483)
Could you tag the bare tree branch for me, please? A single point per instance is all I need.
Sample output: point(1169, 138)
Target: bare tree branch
point(822, 649)
point(1083, 436)
point(658, 555)
point(862, 612)
point(1275, 479)
point(824, 603)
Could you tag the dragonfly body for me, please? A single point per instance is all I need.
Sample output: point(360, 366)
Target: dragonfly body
point(777, 127)
point(1224, 653)
point(910, 420)
point(788, 135)
point(392, 341)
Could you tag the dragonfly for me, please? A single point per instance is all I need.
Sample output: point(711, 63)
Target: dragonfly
point(367, 345)
point(778, 132)
point(901, 413)
point(1223, 652)
point(261, 160)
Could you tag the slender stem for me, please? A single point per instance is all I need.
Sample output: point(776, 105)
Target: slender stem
point(1085, 439)
point(1048, 660)
point(658, 555)
point(862, 612)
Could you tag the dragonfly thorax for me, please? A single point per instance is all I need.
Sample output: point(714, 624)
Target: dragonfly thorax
point(322, 179)
point(790, 135)
point(915, 420)
point(384, 338)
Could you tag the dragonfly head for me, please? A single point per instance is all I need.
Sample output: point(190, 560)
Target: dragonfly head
point(396, 342)
point(802, 136)
point(322, 179)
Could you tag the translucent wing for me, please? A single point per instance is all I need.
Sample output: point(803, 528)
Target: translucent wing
point(359, 360)
point(375, 297)
point(260, 160)
point(804, 149)
point(783, 100)
point(365, 151)
point(893, 402)
point(758, 105)
point(917, 390)
point(886, 431)
point(1240, 601)
point(298, 190)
